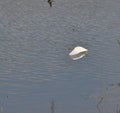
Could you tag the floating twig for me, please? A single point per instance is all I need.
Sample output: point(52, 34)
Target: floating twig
point(98, 105)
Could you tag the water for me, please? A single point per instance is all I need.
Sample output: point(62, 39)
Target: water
point(35, 68)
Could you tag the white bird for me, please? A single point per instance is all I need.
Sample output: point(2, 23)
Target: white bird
point(78, 52)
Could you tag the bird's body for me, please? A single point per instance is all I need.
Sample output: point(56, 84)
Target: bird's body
point(78, 52)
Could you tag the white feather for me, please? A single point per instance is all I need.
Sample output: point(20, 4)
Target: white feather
point(78, 52)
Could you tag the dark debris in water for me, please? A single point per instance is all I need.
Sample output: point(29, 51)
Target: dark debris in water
point(50, 2)
point(118, 41)
point(52, 106)
point(118, 84)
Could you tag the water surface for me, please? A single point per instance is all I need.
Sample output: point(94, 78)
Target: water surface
point(35, 68)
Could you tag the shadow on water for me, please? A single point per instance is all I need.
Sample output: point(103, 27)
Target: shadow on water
point(117, 109)
point(52, 107)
